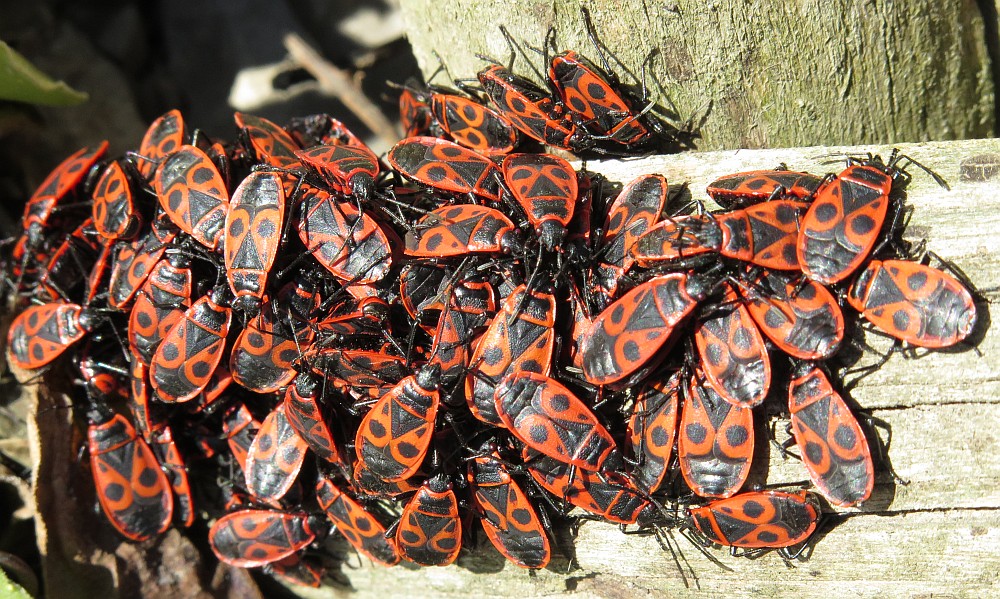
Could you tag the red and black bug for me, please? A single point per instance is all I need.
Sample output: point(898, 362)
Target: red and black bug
point(546, 187)
point(833, 445)
point(420, 286)
point(271, 144)
point(424, 287)
point(460, 230)
point(56, 186)
point(652, 429)
point(304, 411)
point(134, 262)
point(253, 234)
point(368, 483)
point(474, 296)
point(414, 111)
point(516, 340)
point(275, 457)
point(632, 213)
point(162, 301)
point(321, 130)
point(531, 110)
point(345, 240)
point(209, 399)
point(358, 368)
point(44, 332)
point(145, 414)
point(393, 438)
point(429, 532)
point(263, 357)
point(184, 362)
point(581, 225)
point(360, 528)
point(363, 291)
point(676, 239)
point(764, 234)
point(239, 428)
point(630, 332)
point(66, 271)
point(348, 169)
point(132, 490)
point(732, 352)
point(116, 215)
point(800, 316)
point(295, 569)
point(758, 520)
point(752, 187)
point(914, 302)
point(550, 419)
point(580, 326)
point(453, 337)
point(473, 125)
point(175, 467)
point(163, 137)
point(97, 279)
point(103, 372)
point(594, 96)
point(446, 166)
point(715, 442)
point(773, 228)
point(609, 495)
point(509, 519)
point(193, 194)
point(843, 223)
point(368, 317)
point(250, 538)
point(223, 158)
point(26, 259)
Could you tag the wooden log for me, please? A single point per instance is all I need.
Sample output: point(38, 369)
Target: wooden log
point(763, 74)
point(948, 553)
point(935, 536)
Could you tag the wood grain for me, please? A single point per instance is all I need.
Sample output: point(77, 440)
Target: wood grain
point(937, 536)
point(948, 553)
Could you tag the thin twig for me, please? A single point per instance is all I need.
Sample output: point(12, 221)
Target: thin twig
point(339, 84)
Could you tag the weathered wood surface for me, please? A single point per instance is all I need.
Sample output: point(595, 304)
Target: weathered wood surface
point(938, 536)
point(768, 73)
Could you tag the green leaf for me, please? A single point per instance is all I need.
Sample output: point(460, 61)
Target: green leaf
point(22, 82)
point(9, 589)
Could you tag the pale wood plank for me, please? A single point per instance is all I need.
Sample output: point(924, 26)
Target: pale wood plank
point(936, 537)
point(948, 553)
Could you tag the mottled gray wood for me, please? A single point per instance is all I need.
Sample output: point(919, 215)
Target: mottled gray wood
point(768, 74)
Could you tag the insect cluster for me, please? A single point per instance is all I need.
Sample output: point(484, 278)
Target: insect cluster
point(278, 334)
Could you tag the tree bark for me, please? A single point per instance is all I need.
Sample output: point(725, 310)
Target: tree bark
point(759, 74)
